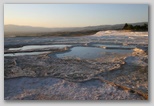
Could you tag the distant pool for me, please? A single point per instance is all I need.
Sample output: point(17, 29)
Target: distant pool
point(111, 46)
point(32, 47)
point(25, 53)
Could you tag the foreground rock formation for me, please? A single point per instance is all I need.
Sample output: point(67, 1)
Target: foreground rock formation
point(45, 77)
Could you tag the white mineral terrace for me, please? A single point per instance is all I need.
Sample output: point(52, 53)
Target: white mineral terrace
point(120, 33)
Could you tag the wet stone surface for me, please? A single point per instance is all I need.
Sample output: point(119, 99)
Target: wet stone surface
point(57, 89)
point(46, 77)
point(70, 69)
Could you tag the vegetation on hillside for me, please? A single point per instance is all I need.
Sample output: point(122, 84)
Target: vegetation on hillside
point(136, 27)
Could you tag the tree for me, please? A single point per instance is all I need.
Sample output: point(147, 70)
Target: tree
point(125, 26)
point(128, 27)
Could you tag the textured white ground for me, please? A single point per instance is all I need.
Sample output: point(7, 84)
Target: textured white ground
point(120, 32)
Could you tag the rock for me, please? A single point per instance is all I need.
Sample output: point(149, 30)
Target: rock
point(138, 51)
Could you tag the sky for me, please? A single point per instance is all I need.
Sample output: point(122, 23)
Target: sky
point(74, 15)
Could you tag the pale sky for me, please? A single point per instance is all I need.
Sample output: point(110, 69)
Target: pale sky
point(74, 15)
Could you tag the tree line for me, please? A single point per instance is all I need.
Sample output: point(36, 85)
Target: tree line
point(143, 27)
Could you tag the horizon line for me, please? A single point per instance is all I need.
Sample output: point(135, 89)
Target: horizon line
point(74, 26)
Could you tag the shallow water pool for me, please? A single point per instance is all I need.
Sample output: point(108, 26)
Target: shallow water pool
point(25, 53)
point(32, 47)
point(108, 46)
point(89, 52)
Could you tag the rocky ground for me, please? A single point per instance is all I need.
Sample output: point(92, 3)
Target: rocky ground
point(45, 77)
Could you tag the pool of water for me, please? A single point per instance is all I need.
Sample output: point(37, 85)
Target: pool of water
point(107, 46)
point(34, 47)
point(27, 53)
point(89, 52)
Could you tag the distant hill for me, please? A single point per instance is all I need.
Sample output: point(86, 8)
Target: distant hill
point(13, 30)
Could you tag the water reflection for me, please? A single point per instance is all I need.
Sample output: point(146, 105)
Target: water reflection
point(89, 52)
